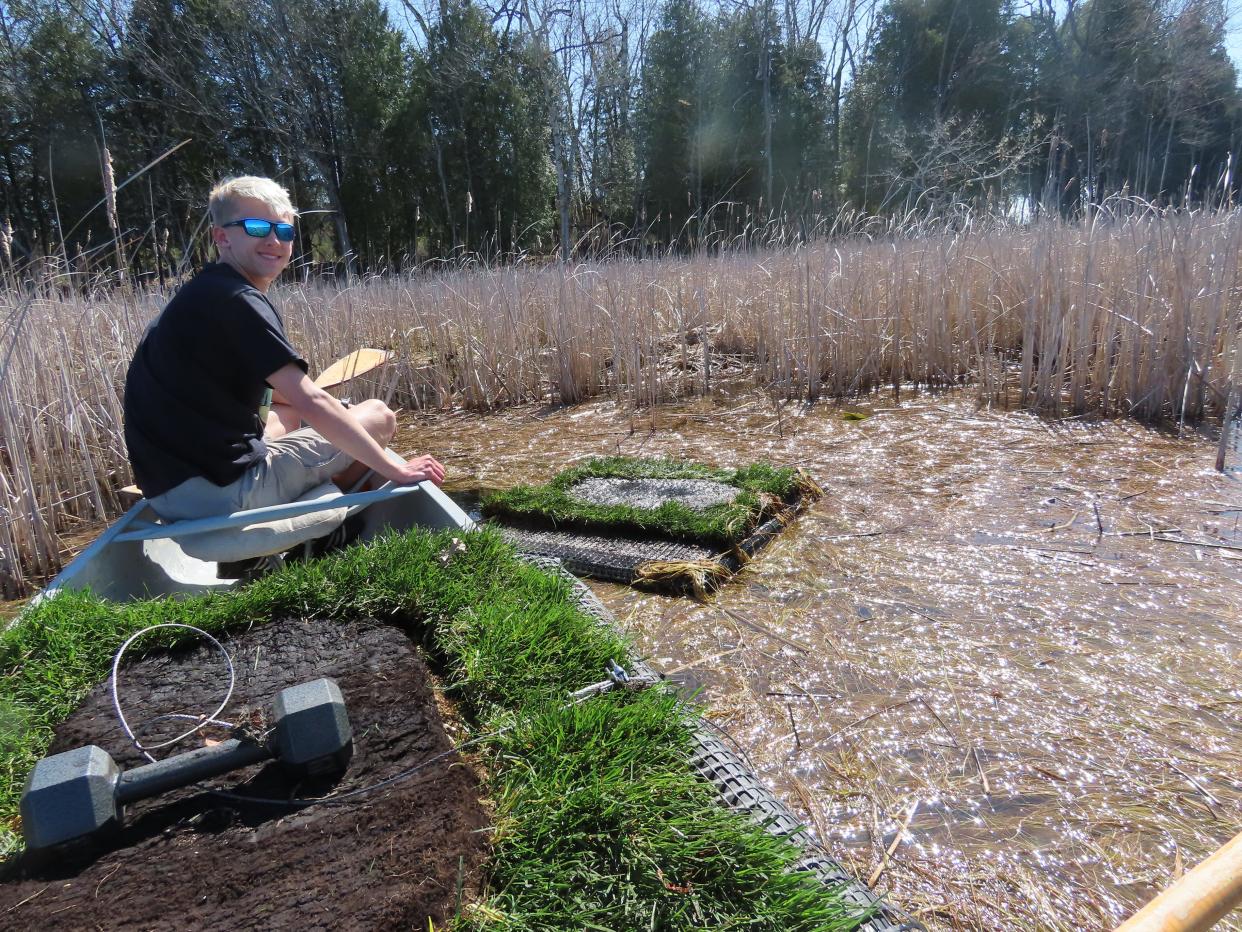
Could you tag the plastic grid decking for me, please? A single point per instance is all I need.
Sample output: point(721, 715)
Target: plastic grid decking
point(617, 559)
point(742, 792)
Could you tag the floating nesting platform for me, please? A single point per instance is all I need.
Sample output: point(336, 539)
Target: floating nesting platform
point(650, 522)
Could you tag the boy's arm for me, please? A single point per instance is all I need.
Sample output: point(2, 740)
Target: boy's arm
point(328, 416)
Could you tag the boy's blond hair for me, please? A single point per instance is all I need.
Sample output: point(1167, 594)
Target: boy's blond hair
point(227, 192)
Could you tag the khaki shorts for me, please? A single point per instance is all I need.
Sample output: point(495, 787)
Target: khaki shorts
point(295, 464)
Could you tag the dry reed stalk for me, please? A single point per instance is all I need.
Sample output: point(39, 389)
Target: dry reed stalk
point(6, 251)
point(1128, 314)
point(876, 874)
point(700, 576)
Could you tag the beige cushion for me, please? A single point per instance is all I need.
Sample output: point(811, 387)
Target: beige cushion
point(266, 537)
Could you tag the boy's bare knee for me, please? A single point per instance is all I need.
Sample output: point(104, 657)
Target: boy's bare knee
point(377, 418)
point(389, 424)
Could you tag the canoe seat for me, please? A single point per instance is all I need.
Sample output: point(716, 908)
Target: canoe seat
point(266, 537)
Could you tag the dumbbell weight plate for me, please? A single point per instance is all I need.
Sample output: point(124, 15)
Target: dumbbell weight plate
point(69, 795)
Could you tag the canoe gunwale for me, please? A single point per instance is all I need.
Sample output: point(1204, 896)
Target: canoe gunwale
point(137, 557)
point(237, 519)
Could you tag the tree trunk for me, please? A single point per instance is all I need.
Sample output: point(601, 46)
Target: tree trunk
point(767, 107)
point(327, 168)
point(448, 207)
point(562, 183)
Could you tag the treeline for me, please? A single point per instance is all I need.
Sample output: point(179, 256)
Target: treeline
point(411, 133)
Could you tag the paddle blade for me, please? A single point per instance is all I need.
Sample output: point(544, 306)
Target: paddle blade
point(351, 366)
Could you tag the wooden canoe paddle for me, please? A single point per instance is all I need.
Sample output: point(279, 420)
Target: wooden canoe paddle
point(1197, 901)
point(349, 367)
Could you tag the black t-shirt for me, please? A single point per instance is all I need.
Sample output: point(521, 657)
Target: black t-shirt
point(197, 380)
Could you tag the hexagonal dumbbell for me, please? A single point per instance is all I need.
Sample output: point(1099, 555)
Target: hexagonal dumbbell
point(76, 793)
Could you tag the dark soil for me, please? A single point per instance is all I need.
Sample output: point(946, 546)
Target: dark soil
point(192, 859)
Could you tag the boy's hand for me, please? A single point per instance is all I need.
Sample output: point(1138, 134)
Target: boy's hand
point(419, 469)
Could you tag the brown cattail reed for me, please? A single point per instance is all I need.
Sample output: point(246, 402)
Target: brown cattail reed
point(109, 187)
point(1129, 313)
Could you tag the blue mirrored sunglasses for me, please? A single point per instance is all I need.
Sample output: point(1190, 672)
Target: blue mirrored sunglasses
point(261, 228)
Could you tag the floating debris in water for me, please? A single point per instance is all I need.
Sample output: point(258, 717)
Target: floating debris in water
point(1120, 650)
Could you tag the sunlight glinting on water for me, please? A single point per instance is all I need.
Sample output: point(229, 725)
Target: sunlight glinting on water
point(976, 639)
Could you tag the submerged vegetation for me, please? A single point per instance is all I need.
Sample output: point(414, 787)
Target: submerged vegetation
point(763, 490)
point(950, 626)
point(595, 804)
point(1131, 313)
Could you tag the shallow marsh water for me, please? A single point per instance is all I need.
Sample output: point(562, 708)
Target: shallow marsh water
point(976, 635)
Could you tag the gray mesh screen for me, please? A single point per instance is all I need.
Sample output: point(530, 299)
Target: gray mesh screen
point(1233, 446)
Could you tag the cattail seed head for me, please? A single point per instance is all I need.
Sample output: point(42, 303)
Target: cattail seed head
point(109, 186)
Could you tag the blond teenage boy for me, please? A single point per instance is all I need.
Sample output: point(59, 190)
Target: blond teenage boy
point(218, 354)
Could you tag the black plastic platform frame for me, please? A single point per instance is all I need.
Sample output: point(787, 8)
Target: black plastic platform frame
point(620, 559)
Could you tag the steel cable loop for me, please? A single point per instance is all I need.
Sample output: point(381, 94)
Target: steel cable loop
point(184, 715)
point(202, 721)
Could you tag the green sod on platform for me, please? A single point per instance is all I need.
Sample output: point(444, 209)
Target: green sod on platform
point(762, 492)
point(599, 821)
point(650, 522)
